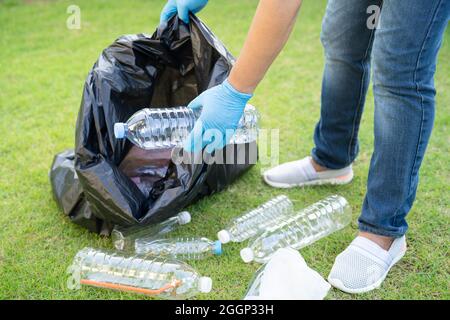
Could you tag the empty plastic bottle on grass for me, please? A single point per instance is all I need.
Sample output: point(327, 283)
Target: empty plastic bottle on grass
point(124, 238)
point(257, 220)
point(163, 277)
point(167, 127)
point(305, 227)
point(183, 249)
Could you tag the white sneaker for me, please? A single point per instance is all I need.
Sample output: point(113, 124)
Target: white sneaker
point(302, 173)
point(364, 265)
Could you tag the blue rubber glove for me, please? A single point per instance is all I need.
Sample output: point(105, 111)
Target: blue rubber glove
point(183, 7)
point(221, 109)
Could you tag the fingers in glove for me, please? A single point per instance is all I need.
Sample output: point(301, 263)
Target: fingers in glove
point(194, 141)
point(168, 11)
point(183, 12)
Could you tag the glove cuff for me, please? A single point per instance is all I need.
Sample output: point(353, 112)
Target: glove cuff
point(235, 93)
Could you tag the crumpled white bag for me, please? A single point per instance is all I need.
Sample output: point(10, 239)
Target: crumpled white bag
point(287, 277)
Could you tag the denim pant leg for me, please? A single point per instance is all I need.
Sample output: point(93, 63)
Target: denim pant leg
point(347, 41)
point(404, 54)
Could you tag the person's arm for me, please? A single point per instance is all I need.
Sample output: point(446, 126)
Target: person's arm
point(223, 105)
point(269, 31)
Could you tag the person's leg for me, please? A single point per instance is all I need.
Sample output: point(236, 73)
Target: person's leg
point(347, 41)
point(404, 61)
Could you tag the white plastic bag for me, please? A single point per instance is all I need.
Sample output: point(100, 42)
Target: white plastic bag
point(287, 277)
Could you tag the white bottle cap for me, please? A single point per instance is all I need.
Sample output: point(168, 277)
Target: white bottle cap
point(204, 284)
point(119, 130)
point(223, 236)
point(184, 217)
point(247, 255)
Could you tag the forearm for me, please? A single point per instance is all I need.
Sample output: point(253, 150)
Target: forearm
point(269, 31)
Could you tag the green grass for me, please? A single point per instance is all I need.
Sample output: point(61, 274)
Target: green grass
point(42, 69)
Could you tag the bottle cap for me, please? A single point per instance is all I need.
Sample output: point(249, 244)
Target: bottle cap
point(120, 129)
point(217, 248)
point(184, 217)
point(223, 236)
point(204, 284)
point(247, 255)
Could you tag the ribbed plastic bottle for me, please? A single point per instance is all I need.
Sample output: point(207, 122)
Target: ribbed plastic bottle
point(307, 226)
point(162, 277)
point(179, 248)
point(257, 220)
point(124, 238)
point(159, 128)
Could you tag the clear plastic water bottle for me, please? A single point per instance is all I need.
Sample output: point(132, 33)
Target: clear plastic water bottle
point(307, 226)
point(162, 277)
point(257, 220)
point(179, 248)
point(247, 129)
point(124, 238)
point(168, 127)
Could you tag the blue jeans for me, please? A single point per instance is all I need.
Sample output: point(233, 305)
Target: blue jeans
point(403, 52)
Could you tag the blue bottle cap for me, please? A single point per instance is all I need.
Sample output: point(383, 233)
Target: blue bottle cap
point(217, 248)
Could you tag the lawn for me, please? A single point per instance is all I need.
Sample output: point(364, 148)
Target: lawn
point(42, 70)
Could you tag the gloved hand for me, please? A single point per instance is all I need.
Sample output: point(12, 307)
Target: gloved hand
point(222, 108)
point(183, 7)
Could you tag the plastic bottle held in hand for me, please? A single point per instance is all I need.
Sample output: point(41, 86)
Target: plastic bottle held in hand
point(123, 238)
point(305, 227)
point(257, 220)
point(162, 277)
point(179, 248)
point(159, 128)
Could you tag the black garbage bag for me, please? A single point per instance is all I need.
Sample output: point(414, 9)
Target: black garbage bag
point(168, 69)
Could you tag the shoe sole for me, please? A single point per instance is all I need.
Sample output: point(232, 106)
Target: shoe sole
point(339, 285)
point(332, 181)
